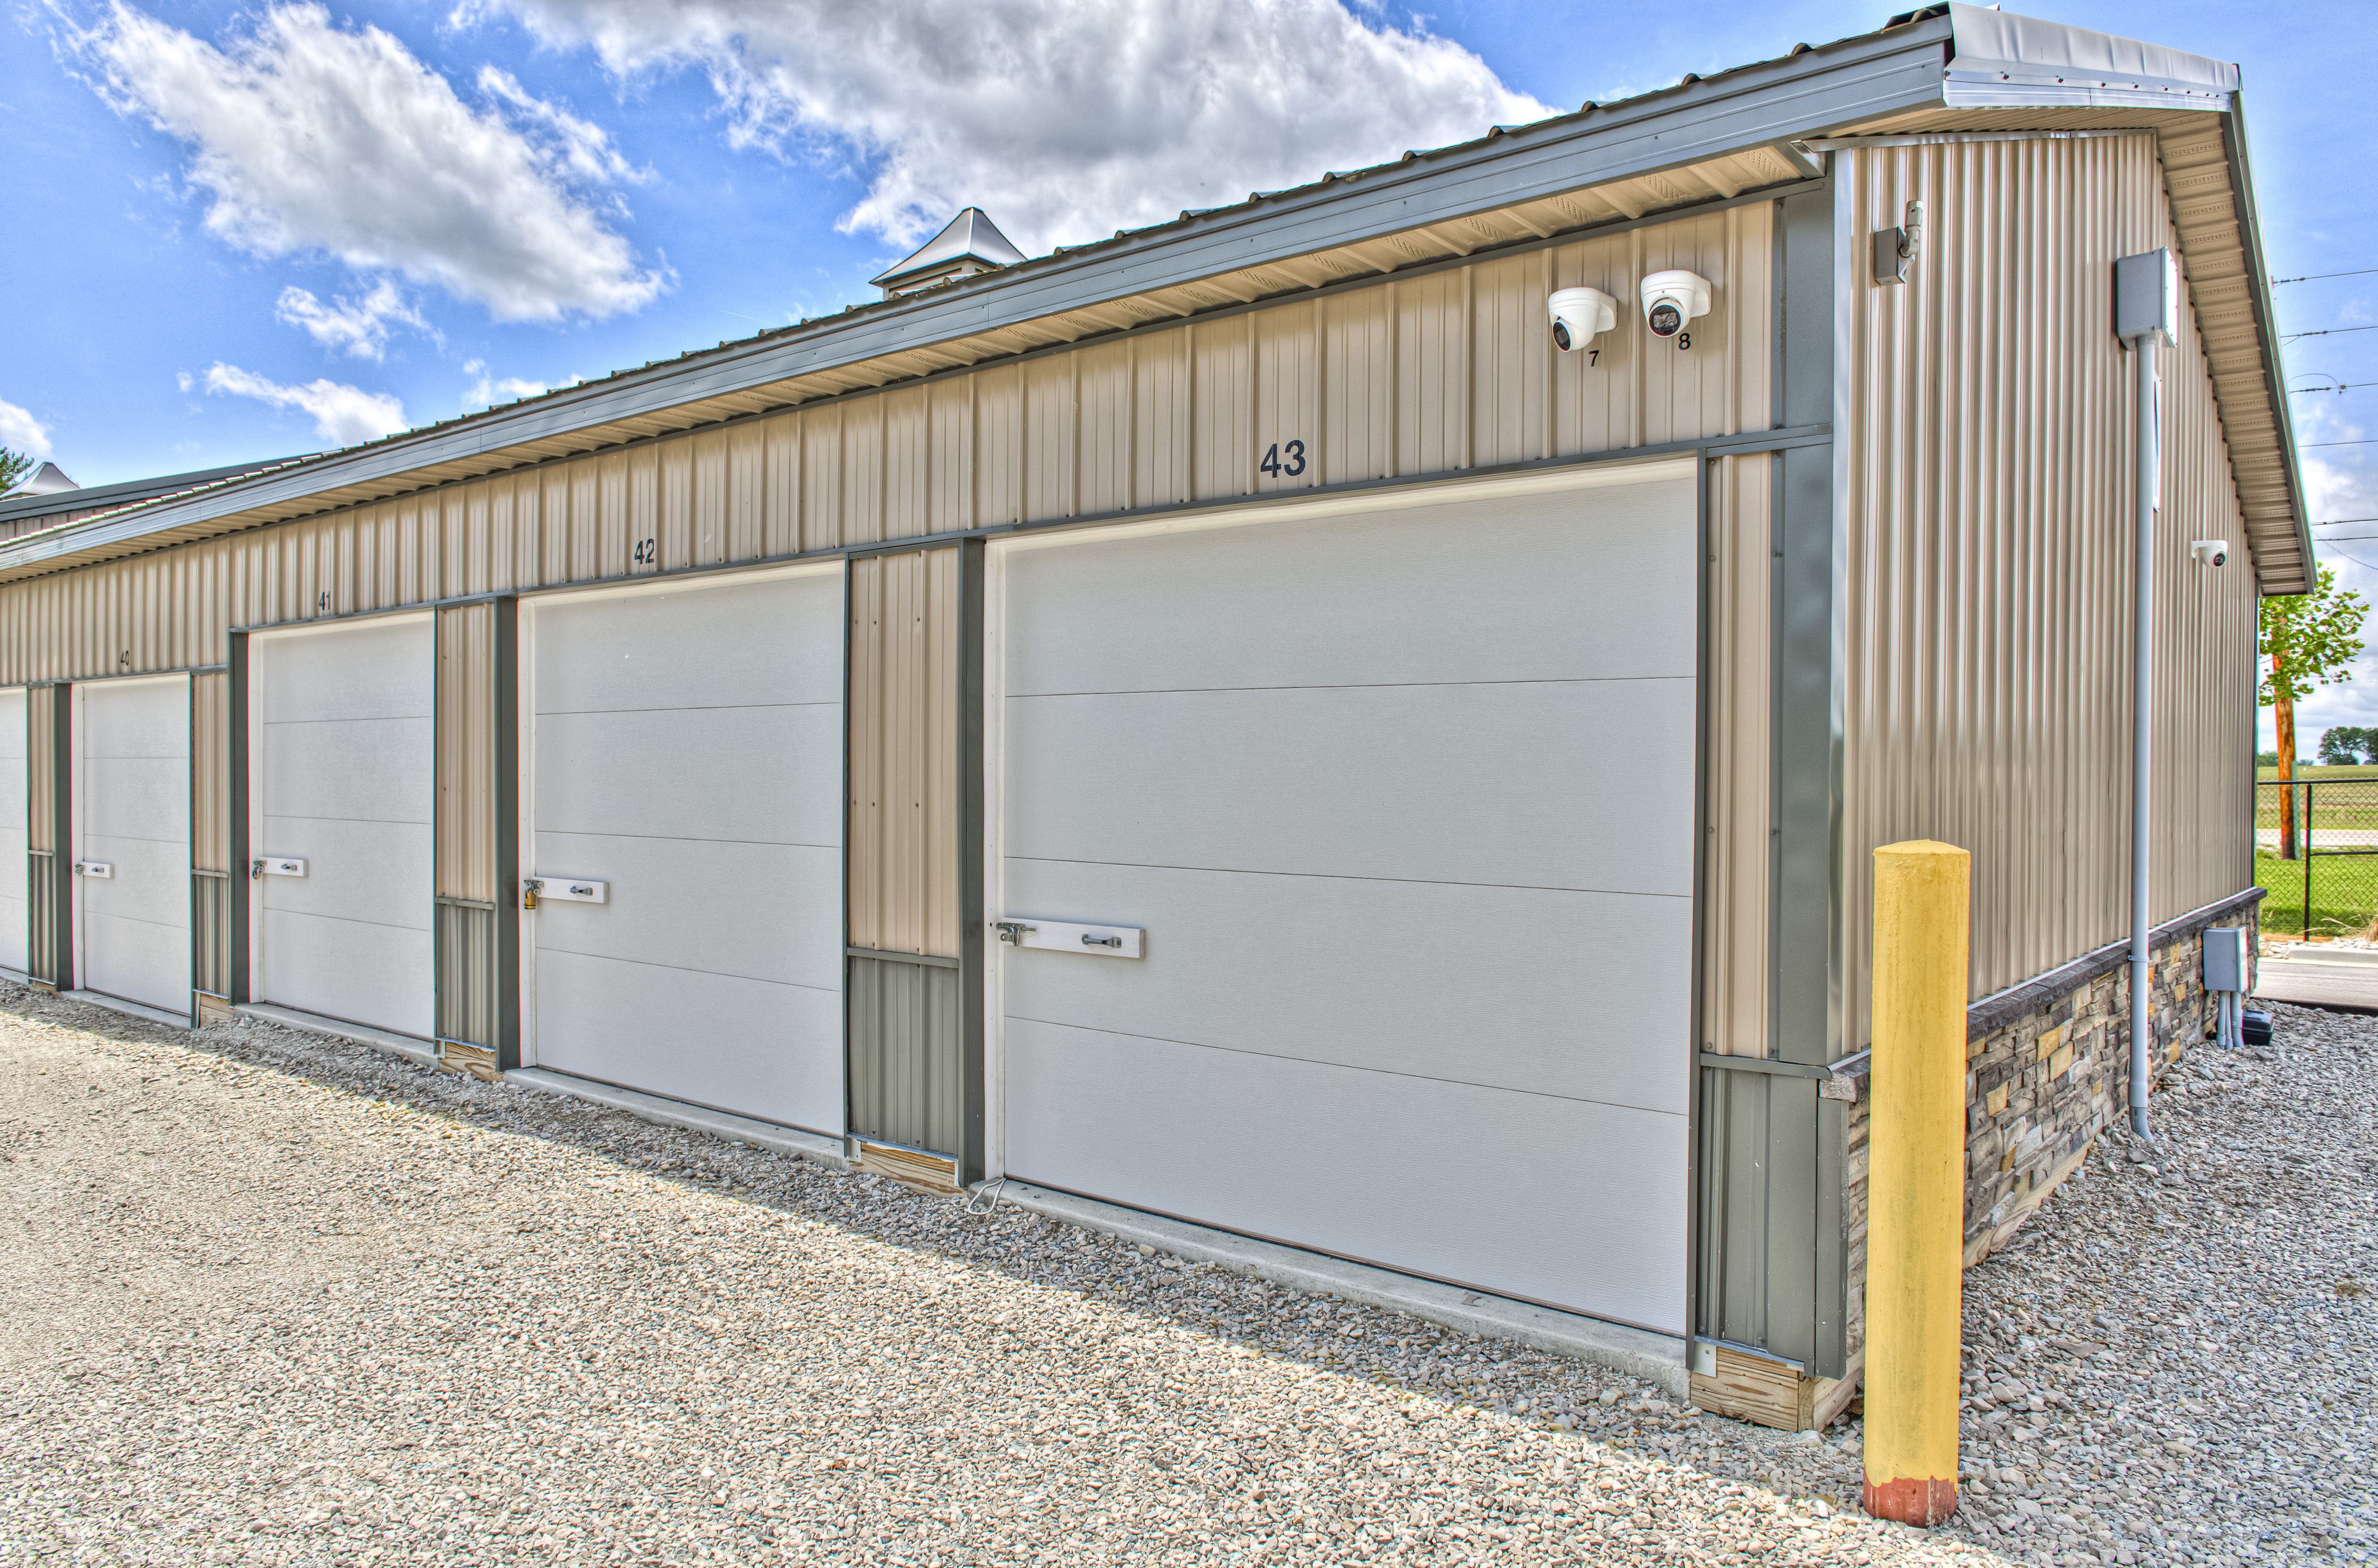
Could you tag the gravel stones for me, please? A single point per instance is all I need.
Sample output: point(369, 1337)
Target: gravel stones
point(2174, 1362)
point(276, 1298)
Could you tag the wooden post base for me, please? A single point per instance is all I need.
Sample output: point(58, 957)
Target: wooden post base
point(1772, 1393)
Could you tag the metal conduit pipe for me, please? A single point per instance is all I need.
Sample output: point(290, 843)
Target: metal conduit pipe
point(2146, 291)
point(2141, 737)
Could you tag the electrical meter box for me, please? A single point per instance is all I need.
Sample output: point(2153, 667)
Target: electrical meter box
point(2146, 297)
point(2225, 958)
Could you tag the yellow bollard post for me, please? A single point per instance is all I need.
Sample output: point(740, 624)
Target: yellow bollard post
point(1916, 1181)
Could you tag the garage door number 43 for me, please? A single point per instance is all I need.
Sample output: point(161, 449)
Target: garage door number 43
point(1284, 460)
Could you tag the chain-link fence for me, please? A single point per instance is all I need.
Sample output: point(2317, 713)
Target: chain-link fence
point(2316, 849)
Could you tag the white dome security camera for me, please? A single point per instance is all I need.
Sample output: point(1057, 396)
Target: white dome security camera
point(1671, 301)
point(2210, 552)
point(1579, 315)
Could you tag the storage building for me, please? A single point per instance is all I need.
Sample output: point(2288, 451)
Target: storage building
point(1241, 723)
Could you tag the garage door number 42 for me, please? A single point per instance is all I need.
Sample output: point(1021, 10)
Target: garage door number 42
point(1284, 460)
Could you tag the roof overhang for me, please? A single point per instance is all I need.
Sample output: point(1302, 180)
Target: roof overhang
point(1706, 139)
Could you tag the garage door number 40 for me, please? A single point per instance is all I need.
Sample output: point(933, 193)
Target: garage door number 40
point(1284, 460)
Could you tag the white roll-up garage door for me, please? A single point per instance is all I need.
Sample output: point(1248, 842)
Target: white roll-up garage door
point(1401, 793)
point(685, 751)
point(16, 890)
point(344, 777)
point(131, 821)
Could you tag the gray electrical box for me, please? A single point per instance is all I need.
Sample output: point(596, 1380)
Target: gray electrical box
point(2225, 958)
point(2146, 297)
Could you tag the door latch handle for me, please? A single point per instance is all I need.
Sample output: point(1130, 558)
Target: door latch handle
point(1012, 931)
point(1102, 941)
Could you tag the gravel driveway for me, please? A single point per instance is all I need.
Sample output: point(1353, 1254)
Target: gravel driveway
point(2174, 1363)
point(276, 1298)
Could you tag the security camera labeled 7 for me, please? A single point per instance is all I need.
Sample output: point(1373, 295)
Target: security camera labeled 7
point(1579, 315)
point(1671, 301)
point(2210, 552)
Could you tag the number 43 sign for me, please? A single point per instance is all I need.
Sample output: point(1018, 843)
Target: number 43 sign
point(1284, 460)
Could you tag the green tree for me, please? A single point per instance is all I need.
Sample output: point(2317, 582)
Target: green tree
point(2309, 640)
point(2342, 746)
point(15, 465)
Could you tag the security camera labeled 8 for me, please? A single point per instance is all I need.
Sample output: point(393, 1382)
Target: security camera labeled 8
point(1672, 300)
point(1580, 316)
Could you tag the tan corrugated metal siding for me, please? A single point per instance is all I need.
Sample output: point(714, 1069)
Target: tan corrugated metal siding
point(41, 768)
point(2219, 257)
point(1988, 602)
point(903, 739)
point(211, 772)
point(1738, 881)
point(466, 753)
point(1374, 383)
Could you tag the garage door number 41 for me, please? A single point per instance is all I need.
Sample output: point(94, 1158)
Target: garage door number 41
point(1284, 460)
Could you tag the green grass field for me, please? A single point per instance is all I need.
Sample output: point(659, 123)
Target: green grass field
point(2344, 893)
point(2341, 797)
point(2359, 771)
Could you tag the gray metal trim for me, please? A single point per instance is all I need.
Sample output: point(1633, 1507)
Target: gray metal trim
point(1836, 86)
point(424, 606)
point(2249, 234)
point(129, 491)
point(235, 746)
point(506, 808)
point(930, 960)
point(847, 950)
point(465, 904)
point(1766, 1064)
point(133, 675)
point(63, 948)
point(1703, 830)
point(972, 795)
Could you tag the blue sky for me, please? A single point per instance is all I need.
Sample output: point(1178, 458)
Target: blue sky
point(246, 231)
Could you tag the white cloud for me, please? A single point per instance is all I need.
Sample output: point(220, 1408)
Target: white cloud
point(20, 432)
point(487, 391)
point(342, 414)
point(359, 326)
point(1064, 121)
point(309, 138)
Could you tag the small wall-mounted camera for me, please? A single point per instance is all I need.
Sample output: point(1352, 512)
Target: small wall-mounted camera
point(2210, 552)
point(1579, 315)
point(1671, 301)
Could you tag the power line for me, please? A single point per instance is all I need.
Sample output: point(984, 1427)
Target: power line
point(2342, 521)
point(2309, 445)
point(2340, 386)
point(2360, 272)
point(2327, 332)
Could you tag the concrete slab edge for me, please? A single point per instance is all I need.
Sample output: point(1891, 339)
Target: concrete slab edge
point(16, 974)
point(419, 1052)
point(129, 1008)
point(811, 1146)
point(1657, 1358)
